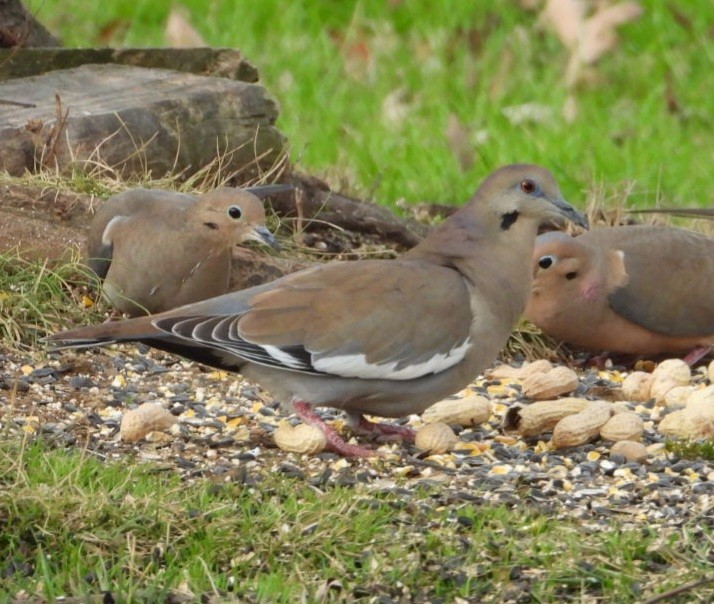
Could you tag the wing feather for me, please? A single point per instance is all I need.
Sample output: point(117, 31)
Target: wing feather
point(669, 291)
point(324, 321)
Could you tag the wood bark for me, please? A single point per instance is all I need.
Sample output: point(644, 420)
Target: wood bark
point(220, 62)
point(131, 120)
point(18, 28)
point(317, 208)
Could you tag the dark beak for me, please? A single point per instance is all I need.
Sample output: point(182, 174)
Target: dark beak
point(263, 191)
point(570, 213)
point(263, 235)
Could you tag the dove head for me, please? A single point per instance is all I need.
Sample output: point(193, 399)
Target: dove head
point(570, 275)
point(527, 191)
point(233, 215)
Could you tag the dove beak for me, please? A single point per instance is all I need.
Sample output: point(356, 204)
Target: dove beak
point(263, 235)
point(570, 213)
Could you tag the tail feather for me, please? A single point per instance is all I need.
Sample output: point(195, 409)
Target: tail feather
point(142, 330)
point(133, 330)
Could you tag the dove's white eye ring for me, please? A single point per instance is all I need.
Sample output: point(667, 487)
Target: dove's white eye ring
point(235, 212)
point(547, 261)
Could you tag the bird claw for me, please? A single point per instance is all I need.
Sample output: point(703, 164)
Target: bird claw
point(387, 432)
point(334, 441)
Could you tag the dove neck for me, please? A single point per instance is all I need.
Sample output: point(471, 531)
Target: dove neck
point(453, 236)
point(491, 259)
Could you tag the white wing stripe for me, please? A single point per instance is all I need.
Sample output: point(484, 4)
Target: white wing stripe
point(284, 358)
point(355, 365)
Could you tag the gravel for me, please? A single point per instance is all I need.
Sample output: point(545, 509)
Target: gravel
point(225, 426)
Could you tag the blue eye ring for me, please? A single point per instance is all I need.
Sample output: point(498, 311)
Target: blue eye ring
point(528, 186)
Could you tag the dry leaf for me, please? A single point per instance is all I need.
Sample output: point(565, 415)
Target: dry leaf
point(530, 5)
point(587, 38)
point(599, 36)
point(458, 139)
point(565, 18)
point(179, 32)
point(356, 53)
point(570, 109)
point(111, 32)
point(395, 107)
point(680, 17)
point(526, 113)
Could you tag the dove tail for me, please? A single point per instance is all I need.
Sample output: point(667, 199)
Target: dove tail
point(133, 330)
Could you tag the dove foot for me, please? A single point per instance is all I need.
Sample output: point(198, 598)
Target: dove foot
point(334, 441)
point(696, 355)
point(361, 424)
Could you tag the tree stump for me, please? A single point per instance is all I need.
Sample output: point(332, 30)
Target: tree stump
point(131, 120)
point(220, 62)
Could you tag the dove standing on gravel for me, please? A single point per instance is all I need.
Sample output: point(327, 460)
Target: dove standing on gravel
point(175, 250)
point(641, 290)
point(378, 337)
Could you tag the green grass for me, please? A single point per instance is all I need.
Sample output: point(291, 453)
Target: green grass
point(38, 297)
point(467, 59)
point(74, 524)
point(701, 449)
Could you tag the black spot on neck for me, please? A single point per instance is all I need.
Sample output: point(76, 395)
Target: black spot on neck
point(211, 225)
point(508, 219)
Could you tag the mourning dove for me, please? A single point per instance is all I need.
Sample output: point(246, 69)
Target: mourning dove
point(149, 201)
point(641, 290)
point(381, 337)
point(166, 256)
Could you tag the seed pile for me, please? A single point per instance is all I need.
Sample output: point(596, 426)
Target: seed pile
point(490, 443)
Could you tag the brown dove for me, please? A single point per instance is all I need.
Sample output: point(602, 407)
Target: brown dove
point(377, 337)
point(161, 257)
point(642, 290)
point(151, 201)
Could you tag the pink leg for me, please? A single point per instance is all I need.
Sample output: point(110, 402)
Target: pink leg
point(696, 355)
point(599, 361)
point(596, 360)
point(360, 423)
point(335, 442)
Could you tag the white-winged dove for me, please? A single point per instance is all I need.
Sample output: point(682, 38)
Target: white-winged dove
point(381, 337)
point(159, 250)
point(641, 290)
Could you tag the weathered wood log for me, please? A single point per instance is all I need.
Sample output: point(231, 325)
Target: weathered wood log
point(19, 28)
point(132, 120)
point(318, 208)
point(220, 62)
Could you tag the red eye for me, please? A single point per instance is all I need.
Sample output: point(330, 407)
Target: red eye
point(528, 186)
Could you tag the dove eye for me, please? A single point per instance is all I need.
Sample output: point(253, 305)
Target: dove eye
point(528, 186)
point(235, 212)
point(547, 261)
